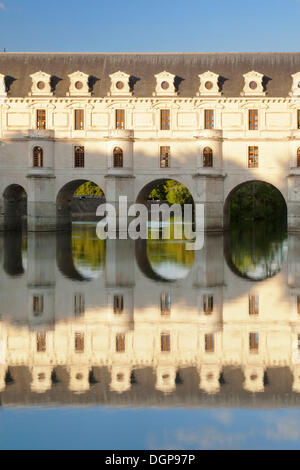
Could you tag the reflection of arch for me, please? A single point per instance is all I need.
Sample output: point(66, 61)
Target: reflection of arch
point(64, 201)
point(38, 157)
point(15, 206)
point(64, 257)
point(118, 157)
point(146, 267)
point(264, 269)
point(12, 252)
point(144, 263)
point(234, 190)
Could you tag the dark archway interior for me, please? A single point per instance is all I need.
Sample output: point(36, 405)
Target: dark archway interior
point(165, 189)
point(254, 201)
point(81, 207)
point(15, 207)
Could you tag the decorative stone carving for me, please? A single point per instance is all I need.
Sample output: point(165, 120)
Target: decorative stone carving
point(3, 92)
point(253, 84)
point(165, 85)
point(209, 84)
point(41, 84)
point(79, 84)
point(119, 84)
point(295, 91)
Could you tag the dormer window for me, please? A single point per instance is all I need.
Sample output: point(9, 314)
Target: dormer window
point(41, 84)
point(253, 84)
point(165, 84)
point(79, 84)
point(2, 85)
point(209, 84)
point(295, 91)
point(120, 85)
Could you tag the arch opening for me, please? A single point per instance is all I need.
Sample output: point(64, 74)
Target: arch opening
point(254, 201)
point(167, 191)
point(15, 207)
point(77, 201)
point(256, 244)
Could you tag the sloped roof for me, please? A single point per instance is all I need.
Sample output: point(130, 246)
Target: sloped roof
point(276, 67)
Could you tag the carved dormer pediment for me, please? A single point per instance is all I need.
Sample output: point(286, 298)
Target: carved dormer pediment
point(41, 84)
point(253, 85)
point(209, 84)
point(295, 91)
point(120, 85)
point(3, 91)
point(79, 84)
point(165, 84)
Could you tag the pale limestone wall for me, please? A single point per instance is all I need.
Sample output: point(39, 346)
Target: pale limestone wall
point(277, 138)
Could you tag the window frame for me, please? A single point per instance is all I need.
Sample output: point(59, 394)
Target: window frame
point(209, 119)
point(41, 119)
point(120, 119)
point(79, 156)
point(207, 157)
point(37, 157)
point(164, 156)
point(79, 119)
point(118, 158)
point(253, 119)
point(253, 154)
point(165, 119)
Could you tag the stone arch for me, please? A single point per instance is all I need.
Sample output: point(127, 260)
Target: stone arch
point(64, 201)
point(145, 188)
point(15, 206)
point(231, 193)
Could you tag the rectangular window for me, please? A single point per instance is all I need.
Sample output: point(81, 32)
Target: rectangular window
point(209, 342)
point(165, 119)
point(79, 342)
point(118, 304)
point(79, 157)
point(41, 119)
point(209, 119)
point(253, 119)
point(120, 118)
point(298, 304)
point(41, 342)
point(79, 306)
point(165, 157)
point(165, 304)
point(253, 342)
point(208, 304)
point(298, 342)
point(298, 119)
point(79, 119)
point(120, 343)
point(252, 157)
point(38, 305)
point(253, 305)
point(165, 342)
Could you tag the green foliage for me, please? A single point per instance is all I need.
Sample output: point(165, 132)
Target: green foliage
point(257, 201)
point(172, 192)
point(88, 189)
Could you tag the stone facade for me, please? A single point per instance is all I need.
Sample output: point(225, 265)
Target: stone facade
point(79, 97)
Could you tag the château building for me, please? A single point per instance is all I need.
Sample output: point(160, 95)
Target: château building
point(127, 121)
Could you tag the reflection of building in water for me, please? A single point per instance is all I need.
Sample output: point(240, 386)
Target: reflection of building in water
point(211, 337)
